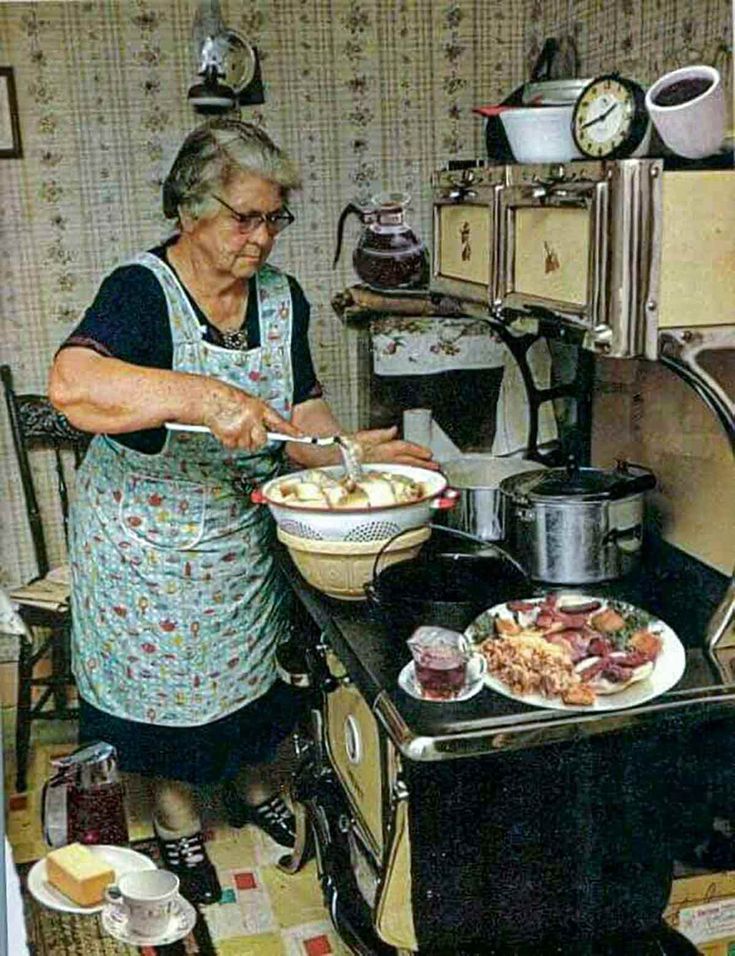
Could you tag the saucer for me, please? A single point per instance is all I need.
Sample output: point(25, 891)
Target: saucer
point(475, 682)
point(180, 924)
point(121, 858)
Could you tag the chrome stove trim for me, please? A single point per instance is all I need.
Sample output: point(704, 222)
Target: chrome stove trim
point(720, 635)
point(519, 731)
point(625, 201)
point(680, 349)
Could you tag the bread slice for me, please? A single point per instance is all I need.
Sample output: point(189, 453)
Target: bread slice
point(602, 686)
point(79, 874)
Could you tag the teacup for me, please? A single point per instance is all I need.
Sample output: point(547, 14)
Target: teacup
point(687, 107)
point(440, 660)
point(143, 900)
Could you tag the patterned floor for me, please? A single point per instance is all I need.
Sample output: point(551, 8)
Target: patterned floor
point(262, 911)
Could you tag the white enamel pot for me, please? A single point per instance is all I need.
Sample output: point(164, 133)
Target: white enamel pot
point(360, 524)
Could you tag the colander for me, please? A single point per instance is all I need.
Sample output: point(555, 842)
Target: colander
point(359, 525)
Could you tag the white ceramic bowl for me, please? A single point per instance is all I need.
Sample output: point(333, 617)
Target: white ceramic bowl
point(357, 524)
point(693, 129)
point(541, 134)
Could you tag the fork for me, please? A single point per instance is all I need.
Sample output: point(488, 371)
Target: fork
point(271, 436)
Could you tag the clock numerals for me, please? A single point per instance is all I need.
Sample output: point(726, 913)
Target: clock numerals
point(609, 118)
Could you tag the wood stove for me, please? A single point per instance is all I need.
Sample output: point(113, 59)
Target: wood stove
point(487, 826)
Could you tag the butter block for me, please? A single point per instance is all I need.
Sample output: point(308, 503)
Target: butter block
point(79, 874)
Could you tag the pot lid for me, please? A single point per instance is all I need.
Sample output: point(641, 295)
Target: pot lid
point(582, 484)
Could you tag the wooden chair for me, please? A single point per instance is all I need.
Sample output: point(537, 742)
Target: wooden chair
point(43, 601)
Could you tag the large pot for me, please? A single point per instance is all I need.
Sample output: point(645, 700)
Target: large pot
point(576, 525)
point(445, 585)
point(477, 477)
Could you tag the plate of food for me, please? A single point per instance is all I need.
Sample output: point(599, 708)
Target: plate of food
point(574, 652)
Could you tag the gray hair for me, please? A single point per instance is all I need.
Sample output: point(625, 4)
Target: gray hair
point(212, 155)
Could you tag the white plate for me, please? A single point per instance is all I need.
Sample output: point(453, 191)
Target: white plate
point(181, 923)
point(120, 858)
point(475, 672)
point(668, 666)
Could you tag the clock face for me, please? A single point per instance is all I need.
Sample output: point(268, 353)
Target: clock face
point(605, 118)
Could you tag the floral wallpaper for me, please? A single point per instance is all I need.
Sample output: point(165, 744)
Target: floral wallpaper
point(640, 40)
point(368, 94)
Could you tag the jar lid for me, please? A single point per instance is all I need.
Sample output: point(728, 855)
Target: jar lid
point(582, 484)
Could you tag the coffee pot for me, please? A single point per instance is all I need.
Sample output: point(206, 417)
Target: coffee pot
point(83, 802)
point(388, 254)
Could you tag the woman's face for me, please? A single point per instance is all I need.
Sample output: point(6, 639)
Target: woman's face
point(229, 246)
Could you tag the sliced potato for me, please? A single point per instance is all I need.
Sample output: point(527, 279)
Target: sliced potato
point(375, 489)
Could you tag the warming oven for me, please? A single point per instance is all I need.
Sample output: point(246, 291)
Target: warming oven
point(619, 251)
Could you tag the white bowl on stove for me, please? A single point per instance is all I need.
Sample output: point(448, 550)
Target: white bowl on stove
point(540, 134)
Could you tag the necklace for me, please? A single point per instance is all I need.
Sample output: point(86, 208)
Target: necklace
point(232, 338)
point(237, 339)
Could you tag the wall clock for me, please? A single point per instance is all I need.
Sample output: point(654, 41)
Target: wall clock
point(610, 118)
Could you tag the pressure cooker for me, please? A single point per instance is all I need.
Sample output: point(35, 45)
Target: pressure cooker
point(575, 525)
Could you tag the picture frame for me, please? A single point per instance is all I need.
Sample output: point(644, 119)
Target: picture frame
point(10, 142)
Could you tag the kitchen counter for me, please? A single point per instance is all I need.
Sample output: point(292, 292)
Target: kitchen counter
point(671, 585)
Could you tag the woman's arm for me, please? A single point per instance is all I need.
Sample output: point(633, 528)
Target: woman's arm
point(102, 394)
point(314, 417)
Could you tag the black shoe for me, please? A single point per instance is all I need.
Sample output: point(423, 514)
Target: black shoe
point(187, 858)
point(272, 816)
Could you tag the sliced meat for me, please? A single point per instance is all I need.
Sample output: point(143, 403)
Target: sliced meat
point(646, 643)
point(557, 638)
point(616, 673)
point(593, 670)
point(585, 607)
point(577, 640)
point(569, 619)
point(607, 621)
point(545, 619)
point(630, 658)
point(600, 647)
point(524, 606)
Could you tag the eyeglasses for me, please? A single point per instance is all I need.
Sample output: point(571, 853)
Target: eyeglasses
point(248, 222)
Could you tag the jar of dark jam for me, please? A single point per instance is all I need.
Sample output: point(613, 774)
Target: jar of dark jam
point(84, 800)
point(388, 255)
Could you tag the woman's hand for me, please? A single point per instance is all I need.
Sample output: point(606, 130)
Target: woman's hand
point(240, 420)
point(381, 445)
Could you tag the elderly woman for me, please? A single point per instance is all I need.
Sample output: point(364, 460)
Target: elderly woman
point(177, 601)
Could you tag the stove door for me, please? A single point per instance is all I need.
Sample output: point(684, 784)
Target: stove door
point(578, 245)
point(394, 910)
point(553, 252)
point(356, 753)
point(465, 241)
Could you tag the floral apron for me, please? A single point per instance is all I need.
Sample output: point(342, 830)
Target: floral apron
point(177, 603)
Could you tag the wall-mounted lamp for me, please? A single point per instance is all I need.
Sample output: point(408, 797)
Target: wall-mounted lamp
point(229, 67)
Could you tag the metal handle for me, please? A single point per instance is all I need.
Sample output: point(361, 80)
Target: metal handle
point(386, 545)
point(627, 540)
point(448, 499)
point(598, 260)
point(350, 209)
point(460, 193)
point(271, 436)
point(489, 545)
point(722, 620)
